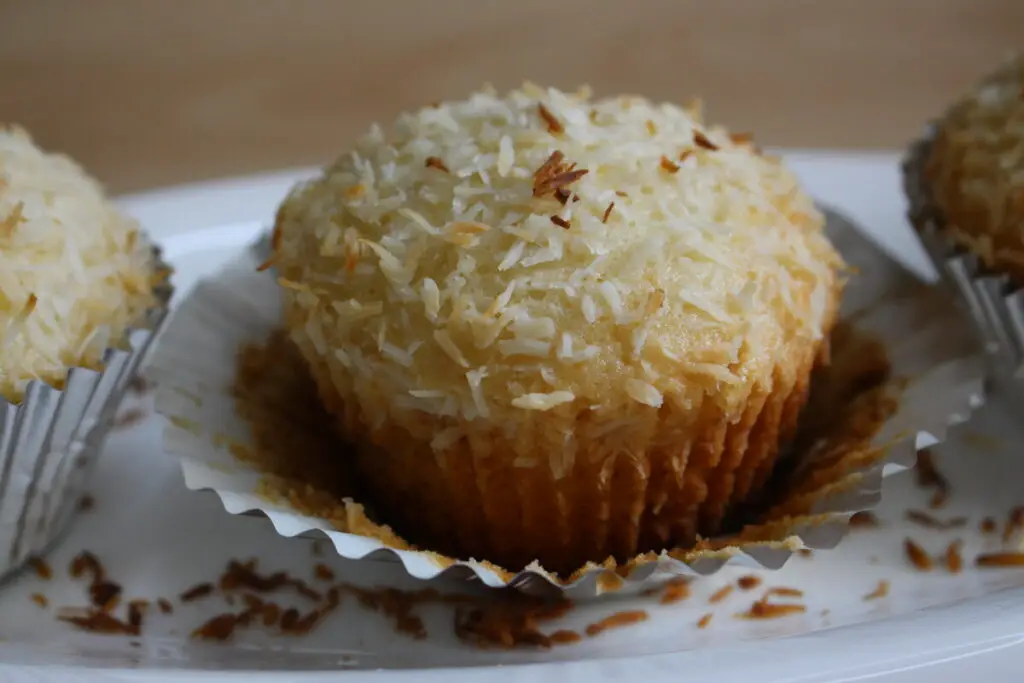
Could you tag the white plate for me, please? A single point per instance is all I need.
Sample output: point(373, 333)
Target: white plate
point(157, 539)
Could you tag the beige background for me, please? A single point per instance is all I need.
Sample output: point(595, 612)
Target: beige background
point(150, 92)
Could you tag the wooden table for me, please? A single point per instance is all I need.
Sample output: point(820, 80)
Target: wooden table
point(150, 92)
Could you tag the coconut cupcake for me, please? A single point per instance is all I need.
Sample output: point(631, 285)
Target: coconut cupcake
point(975, 170)
point(558, 329)
point(965, 181)
point(75, 278)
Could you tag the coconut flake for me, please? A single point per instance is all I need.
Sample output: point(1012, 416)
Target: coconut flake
point(643, 392)
point(444, 340)
point(543, 401)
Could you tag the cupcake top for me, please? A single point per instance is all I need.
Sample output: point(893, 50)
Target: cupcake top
point(542, 251)
point(976, 169)
point(74, 273)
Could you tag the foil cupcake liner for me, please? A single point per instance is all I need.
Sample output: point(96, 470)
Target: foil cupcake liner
point(990, 299)
point(50, 440)
point(194, 369)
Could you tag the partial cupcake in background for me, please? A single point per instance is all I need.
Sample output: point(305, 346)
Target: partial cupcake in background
point(558, 329)
point(81, 290)
point(965, 183)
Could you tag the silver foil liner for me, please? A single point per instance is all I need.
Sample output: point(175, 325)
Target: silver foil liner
point(993, 303)
point(50, 440)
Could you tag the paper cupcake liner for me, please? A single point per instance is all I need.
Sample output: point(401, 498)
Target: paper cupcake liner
point(195, 369)
point(993, 302)
point(606, 507)
point(49, 441)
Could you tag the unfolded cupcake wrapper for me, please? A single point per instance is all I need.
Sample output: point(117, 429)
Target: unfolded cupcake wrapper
point(993, 303)
point(937, 362)
point(50, 441)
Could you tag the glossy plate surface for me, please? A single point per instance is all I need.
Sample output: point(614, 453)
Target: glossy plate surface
point(157, 539)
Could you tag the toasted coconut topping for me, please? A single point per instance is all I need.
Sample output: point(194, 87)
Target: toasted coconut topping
point(586, 213)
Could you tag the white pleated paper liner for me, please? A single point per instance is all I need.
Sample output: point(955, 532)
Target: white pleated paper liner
point(992, 302)
point(195, 365)
point(49, 441)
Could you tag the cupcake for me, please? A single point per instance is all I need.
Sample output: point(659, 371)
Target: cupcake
point(557, 329)
point(965, 181)
point(76, 280)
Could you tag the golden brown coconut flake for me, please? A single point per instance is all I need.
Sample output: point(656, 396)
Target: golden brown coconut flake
point(675, 590)
point(668, 165)
point(702, 141)
point(436, 163)
point(1003, 559)
point(720, 594)
point(555, 126)
point(41, 568)
point(748, 582)
point(930, 521)
point(863, 520)
point(953, 559)
point(200, 590)
point(607, 212)
point(917, 555)
point(617, 620)
point(880, 591)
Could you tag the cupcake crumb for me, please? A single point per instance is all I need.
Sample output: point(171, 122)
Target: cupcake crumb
point(323, 572)
point(565, 637)
point(676, 590)
point(41, 568)
point(930, 521)
point(105, 594)
point(748, 582)
point(86, 563)
point(219, 628)
point(617, 620)
point(880, 591)
point(863, 520)
point(1014, 522)
point(952, 557)
point(137, 612)
point(720, 594)
point(96, 620)
point(917, 555)
point(1003, 559)
point(762, 609)
point(196, 592)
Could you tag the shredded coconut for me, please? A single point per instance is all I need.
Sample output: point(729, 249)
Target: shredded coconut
point(542, 401)
point(509, 265)
point(74, 272)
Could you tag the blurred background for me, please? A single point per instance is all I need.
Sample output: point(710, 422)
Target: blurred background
point(154, 92)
